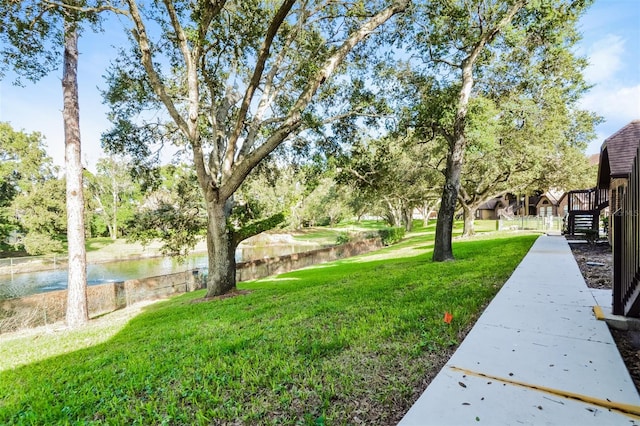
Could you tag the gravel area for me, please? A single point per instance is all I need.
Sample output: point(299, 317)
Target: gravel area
point(595, 262)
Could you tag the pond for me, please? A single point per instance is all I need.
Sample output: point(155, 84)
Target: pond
point(19, 285)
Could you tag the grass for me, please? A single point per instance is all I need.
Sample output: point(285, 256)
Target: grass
point(98, 243)
point(354, 340)
point(321, 236)
point(481, 226)
point(327, 235)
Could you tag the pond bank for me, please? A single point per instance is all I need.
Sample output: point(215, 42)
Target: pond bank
point(47, 308)
point(116, 252)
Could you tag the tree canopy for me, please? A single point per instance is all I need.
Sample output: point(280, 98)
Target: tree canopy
point(234, 79)
point(113, 191)
point(31, 196)
point(476, 48)
point(395, 175)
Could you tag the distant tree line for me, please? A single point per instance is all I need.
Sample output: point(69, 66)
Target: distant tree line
point(388, 178)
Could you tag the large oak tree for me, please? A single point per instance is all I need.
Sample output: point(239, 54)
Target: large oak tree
point(520, 144)
point(235, 79)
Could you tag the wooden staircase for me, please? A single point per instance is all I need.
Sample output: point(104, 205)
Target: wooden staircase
point(584, 210)
point(579, 223)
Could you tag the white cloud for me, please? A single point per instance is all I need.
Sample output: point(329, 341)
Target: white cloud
point(618, 105)
point(605, 58)
point(623, 103)
point(616, 92)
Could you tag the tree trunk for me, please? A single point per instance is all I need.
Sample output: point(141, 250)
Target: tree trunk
point(114, 213)
point(469, 220)
point(442, 250)
point(457, 141)
point(407, 214)
point(425, 210)
point(221, 249)
point(394, 214)
point(77, 311)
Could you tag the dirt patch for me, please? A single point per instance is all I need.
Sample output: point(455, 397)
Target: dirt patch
point(628, 342)
point(229, 295)
point(595, 263)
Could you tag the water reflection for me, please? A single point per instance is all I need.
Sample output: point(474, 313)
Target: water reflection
point(19, 285)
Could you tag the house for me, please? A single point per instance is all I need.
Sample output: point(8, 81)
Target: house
point(586, 206)
point(492, 209)
point(616, 160)
point(550, 203)
point(619, 179)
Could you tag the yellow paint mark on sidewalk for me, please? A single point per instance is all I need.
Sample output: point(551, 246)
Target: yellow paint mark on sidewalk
point(630, 410)
point(597, 311)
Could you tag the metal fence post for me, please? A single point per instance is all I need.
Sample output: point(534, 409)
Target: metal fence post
point(618, 305)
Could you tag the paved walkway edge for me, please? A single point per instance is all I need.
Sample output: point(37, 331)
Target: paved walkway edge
point(537, 355)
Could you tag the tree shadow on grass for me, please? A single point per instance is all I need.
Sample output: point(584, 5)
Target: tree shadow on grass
point(95, 244)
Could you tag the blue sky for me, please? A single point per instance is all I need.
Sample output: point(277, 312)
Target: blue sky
point(611, 41)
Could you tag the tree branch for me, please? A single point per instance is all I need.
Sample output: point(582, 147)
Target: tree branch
point(274, 26)
point(257, 228)
point(293, 120)
point(351, 114)
point(270, 91)
point(82, 9)
point(442, 61)
point(488, 36)
point(192, 72)
point(140, 35)
point(39, 16)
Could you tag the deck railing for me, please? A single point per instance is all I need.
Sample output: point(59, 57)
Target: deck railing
point(587, 200)
point(626, 248)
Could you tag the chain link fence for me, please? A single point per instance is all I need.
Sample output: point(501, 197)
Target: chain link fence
point(16, 265)
point(532, 223)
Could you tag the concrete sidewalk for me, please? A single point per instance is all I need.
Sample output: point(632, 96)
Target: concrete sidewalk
point(537, 355)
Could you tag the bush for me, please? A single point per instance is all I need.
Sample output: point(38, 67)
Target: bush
point(343, 238)
point(391, 235)
point(591, 235)
point(37, 244)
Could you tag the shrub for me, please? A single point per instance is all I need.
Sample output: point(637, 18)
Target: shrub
point(37, 244)
point(343, 238)
point(391, 235)
point(592, 235)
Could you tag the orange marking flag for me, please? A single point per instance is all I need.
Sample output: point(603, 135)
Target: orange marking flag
point(448, 317)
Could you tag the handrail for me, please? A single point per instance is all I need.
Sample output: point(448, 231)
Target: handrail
point(587, 199)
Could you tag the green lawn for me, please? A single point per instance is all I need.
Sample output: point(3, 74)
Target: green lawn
point(348, 341)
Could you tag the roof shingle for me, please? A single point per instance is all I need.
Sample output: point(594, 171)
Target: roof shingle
point(621, 149)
